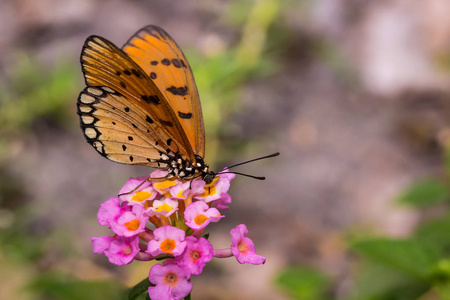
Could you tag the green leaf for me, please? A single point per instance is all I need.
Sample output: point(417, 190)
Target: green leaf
point(436, 232)
point(139, 290)
point(62, 287)
point(425, 193)
point(410, 256)
point(303, 283)
point(377, 282)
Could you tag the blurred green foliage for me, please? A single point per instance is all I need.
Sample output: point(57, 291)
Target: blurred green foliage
point(61, 286)
point(303, 283)
point(33, 91)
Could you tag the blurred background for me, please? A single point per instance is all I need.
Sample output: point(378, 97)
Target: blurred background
point(353, 93)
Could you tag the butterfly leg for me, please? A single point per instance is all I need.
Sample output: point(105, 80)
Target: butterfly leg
point(140, 184)
point(133, 190)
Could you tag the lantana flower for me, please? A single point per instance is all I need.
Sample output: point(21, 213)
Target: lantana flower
point(243, 248)
point(178, 213)
point(130, 223)
point(171, 282)
point(165, 207)
point(169, 240)
point(198, 215)
point(198, 252)
point(142, 191)
point(119, 250)
point(111, 210)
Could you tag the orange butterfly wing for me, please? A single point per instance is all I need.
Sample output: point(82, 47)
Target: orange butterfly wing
point(164, 62)
point(123, 114)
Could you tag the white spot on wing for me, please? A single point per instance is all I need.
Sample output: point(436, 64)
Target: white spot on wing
point(95, 91)
point(85, 109)
point(87, 99)
point(90, 133)
point(107, 89)
point(87, 119)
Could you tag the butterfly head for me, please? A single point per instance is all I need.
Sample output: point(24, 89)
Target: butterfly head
point(203, 169)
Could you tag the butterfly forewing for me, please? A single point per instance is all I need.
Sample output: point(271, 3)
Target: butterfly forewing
point(114, 133)
point(163, 61)
point(124, 115)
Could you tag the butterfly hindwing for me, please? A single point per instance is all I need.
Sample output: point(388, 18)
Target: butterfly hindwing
point(163, 61)
point(118, 90)
point(115, 133)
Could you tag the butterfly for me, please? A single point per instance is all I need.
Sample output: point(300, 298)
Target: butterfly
point(141, 105)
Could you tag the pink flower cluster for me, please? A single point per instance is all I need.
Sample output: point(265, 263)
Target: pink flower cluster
point(177, 213)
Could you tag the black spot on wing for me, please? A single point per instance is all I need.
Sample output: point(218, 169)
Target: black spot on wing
point(122, 84)
point(178, 91)
point(153, 75)
point(154, 63)
point(176, 63)
point(127, 72)
point(130, 138)
point(165, 62)
point(166, 123)
point(151, 99)
point(185, 115)
point(124, 147)
point(149, 120)
point(136, 73)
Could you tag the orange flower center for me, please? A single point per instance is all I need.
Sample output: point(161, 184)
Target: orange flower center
point(132, 225)
point(200, 219)
point(195, 256)
point(243, 248)
point(168, 245)
point(171, 279)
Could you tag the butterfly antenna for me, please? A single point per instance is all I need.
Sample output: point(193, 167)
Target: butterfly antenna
point(249, 161)
point(246, 175)
point(255, 159)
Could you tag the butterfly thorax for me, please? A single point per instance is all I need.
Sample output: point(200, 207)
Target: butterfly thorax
point(184, 169)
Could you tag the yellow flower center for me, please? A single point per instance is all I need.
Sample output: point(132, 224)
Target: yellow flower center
point(141, 196)
point(164, 207)
point(209, 190)
point(164, 184)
